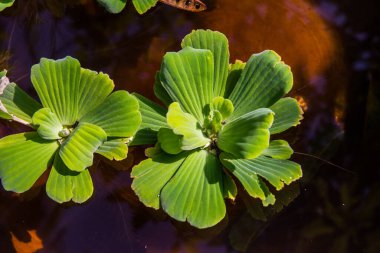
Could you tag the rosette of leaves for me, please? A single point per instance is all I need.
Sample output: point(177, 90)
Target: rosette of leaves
point(5, 4)
point(77, 117)
point(116, 6)
point(220, 128)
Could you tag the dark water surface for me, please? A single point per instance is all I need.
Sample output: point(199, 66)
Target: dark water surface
point(333, 47)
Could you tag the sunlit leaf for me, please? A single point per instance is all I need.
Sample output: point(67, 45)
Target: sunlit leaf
point(223, 105)
point(94, 89)
point(23, 159)
point(234, 73)
point(195, 193)
point(143, 6)
point(153, 118)
point(186, 125)
point(217, 43)
point(188, 76)
point(5, 4)
point(116, 149)
point(77, 152)
point(118, 115)
point(169, 141)
point(57, 83)
point(287, 114)
point(277, 172)
point(265, 79)
point(47, 123)
point(248, 135)
point(64, 185)
point(113, 6)
point(279, 149)
point(4, 115)
point(17, 103)
point(151, 175)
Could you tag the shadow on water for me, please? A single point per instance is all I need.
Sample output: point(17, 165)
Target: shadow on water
point(334, 54)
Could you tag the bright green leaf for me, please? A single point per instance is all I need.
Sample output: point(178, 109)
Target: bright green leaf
point(5, 4)
point(77, 152)
point(223, 105)
point(160, 91)
point(277, 172)
point(265, 79)
point(113, 6)
point(64, 185)
point(279, 149)
point(47, 123)
point(195, 193)
point(217, 43)
point(23, 159)
point(118, 115)
point(115, 149)
point(287, 114)
point(143, 6)
point(57, 84)
point(188, 76)
point(4, 115)
point(169, 141)
point(153, 118)
point(186, 125)
point(234, 72)
point(17, 103)
point(4, 72)
point(151, 175)
point(94, 89)
point(248, 135)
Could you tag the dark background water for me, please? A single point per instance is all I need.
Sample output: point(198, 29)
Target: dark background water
point(333, 47)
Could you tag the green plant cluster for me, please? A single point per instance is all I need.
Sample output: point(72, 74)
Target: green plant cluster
point(218, 128)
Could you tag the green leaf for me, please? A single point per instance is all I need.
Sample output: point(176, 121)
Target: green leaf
point(116, 149)
point(195, 193)
point(143, 6)
point(5, 4)
point(217, 43)
point(229, 187)
point(151, 175)
point(47, 123)
point(265, 79)
point(113, 6)
point(169, 141)
point(287, 114)
point(277, 172)
point(4, 72)
point(186, 125)
point(153, 118)
point(188, 76)
point(57, 84)
point(118, 115)
point(248, 135)
point(234, 72)
point(160, 91)
point(223, 105)
point(279, 149)
point(77, 152)
point(15, 102)
point(94, 88)
point(23, 159)
point(64, 185)
point(4, 115)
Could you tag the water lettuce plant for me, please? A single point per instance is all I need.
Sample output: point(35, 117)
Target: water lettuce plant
point(78, 116)
point(219, 128)
point(5, 4)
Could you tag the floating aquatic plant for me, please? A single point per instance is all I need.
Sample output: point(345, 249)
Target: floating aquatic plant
point(142, 6)
point(217, 129)
point(78, 116)
point(5, 4)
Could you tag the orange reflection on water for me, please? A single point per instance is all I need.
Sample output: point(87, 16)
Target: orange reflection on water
point(32, 245)
point(293, 28)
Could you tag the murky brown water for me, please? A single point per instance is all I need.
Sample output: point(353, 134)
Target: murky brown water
point(333, 47)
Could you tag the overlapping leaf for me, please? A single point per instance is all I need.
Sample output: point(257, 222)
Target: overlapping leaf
point(279, 149)
point(47, 123)
point(5, 4)
point(113, 6)
point(143, 6)
point(287, 114)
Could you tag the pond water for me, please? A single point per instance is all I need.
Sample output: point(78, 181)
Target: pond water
point(333, 47)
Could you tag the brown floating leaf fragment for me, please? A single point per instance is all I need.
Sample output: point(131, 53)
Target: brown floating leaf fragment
point(34, 244)
point(187, 5)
